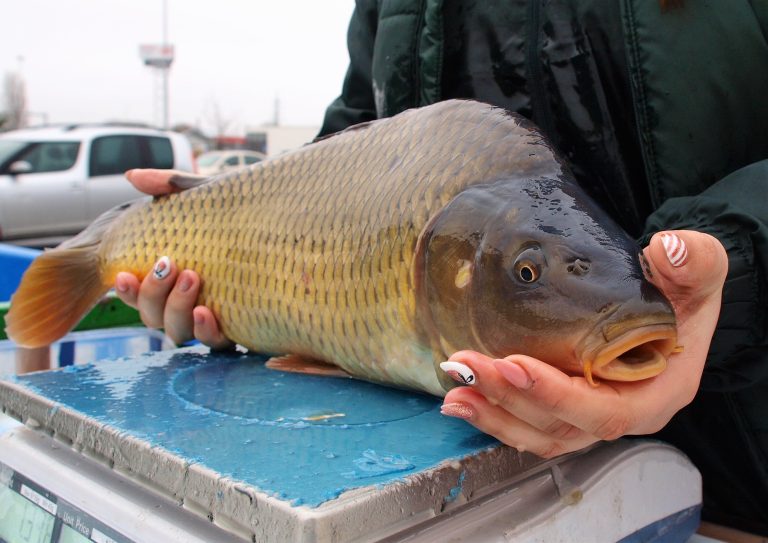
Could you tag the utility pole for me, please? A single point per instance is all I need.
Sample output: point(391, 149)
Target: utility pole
point(276, 113)
point(165, 71)
point(159, 58)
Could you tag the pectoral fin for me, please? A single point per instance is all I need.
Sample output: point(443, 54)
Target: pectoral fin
point(295, 363)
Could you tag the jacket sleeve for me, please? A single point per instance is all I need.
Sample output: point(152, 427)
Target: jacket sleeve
point(356, 103)
point(734, 210)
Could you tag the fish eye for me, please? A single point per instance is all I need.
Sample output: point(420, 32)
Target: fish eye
point(528, 265)
point(526, 271)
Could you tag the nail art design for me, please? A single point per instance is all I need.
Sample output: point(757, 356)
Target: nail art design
point(459, 410)
point(162, 268)
point(677, 252)
point(458, 372)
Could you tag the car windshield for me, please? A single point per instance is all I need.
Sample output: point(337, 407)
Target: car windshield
point(50, 156)
point(9, 149)
point(208, 159)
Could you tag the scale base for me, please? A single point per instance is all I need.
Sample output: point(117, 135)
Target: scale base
point(268, 456)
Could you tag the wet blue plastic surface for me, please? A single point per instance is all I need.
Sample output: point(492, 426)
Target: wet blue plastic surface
point(300, 438)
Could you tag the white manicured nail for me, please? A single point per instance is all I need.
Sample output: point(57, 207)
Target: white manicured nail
point(677, 252)
point(162, 268)
point(458, 372)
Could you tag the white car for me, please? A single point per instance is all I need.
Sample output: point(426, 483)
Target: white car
point(54, 181)
point(214, 162)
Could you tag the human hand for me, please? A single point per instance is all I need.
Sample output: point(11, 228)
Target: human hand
point(166, 297)
point(535, 407)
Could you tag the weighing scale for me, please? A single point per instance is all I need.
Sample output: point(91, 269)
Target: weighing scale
point(187, 445)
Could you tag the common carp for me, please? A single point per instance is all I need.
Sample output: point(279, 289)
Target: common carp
point(384, 249)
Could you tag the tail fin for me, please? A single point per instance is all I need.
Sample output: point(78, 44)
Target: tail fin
point(59, 288)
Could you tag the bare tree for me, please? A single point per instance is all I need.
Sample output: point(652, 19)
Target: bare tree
point(15, 114)
point(220, 122)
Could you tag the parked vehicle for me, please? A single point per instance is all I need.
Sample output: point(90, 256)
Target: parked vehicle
point(54, 181)
point(214, 162)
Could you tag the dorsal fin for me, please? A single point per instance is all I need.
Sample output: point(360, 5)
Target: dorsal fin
point(188, 181)
point(359, 126)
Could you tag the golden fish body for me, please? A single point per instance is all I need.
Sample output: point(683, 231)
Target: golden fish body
point(325, 252)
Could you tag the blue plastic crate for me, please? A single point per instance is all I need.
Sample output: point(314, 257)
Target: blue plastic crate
point(13, 262)
point(91, 345)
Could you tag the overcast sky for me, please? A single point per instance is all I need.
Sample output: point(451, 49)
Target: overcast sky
point(80, 59)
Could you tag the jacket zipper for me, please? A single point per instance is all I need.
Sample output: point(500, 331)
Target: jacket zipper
point(539, 111)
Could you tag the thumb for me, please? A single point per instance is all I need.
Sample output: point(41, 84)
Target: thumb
point(686, 265)
point(151, 181)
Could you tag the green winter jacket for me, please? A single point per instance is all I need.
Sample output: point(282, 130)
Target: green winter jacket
point(663, 116)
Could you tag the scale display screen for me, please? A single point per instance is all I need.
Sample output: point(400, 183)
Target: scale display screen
point(31, 514)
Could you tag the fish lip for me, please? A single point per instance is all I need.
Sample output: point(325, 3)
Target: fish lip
point(645, 349)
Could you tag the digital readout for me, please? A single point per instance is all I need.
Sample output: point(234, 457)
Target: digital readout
point(31, 514)
point(22, 521)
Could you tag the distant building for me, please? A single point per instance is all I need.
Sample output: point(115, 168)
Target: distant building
point(273, 140)
point(268, 139)
point(230, 143)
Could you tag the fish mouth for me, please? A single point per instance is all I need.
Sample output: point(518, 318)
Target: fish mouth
point(630, 352)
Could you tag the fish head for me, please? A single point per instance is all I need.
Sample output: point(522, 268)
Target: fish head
point(535, 267)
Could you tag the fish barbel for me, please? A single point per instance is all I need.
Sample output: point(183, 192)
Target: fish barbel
point(382, 250)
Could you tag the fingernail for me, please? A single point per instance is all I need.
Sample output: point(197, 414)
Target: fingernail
point(162, 268)
point(199, 320)
point(120, 285)
point(460, 410)
point(514, 373)
point(458, 372)
point(184, 282)
point(645, 266)
point(677, 252)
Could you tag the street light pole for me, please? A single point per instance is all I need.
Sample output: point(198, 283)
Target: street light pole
point(167, 69)
point(159, 58)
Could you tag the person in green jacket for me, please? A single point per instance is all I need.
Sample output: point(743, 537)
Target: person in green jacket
point(662, 113)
